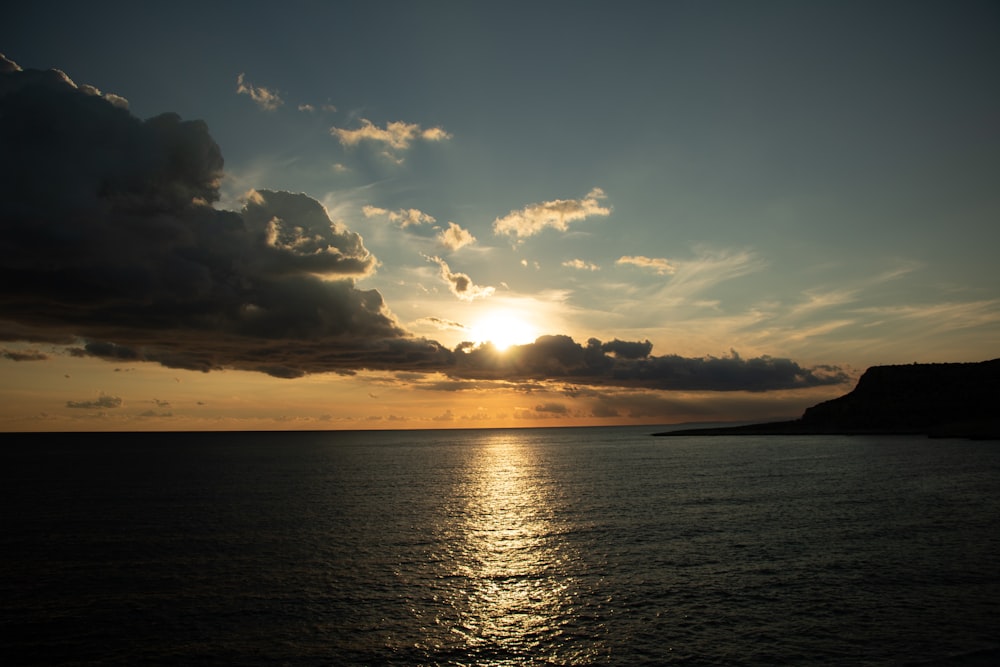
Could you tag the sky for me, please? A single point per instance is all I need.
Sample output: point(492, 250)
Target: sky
point(313, 215)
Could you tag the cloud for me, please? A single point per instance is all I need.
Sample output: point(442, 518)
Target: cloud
point(103, 401)
point(109, 246)
point(560, 357)
point(455, 237)
point(461, 284)
point(660, 265)
point(552, 408)
point(708, 269)
point(108, 238)
point(443, 324)
point(152, 413)
point(628, 349)
point(26, 355)
point(266, 99)
point(397, 135)
point(582, 265)
point(53, 79)
point(557, 214)
point(404, 217)
point(311, 108)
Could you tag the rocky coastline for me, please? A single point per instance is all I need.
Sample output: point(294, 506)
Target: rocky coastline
point(950, 400)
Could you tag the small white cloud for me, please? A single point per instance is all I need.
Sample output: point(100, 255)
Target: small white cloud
point(582, 265)
point(397, 135)
point(557, 214)
point(266, 99)
point(658, 264)
point(404, 217)
point(455, 237)
point(461, 284)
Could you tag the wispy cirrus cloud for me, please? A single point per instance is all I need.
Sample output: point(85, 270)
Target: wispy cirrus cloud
point(658, 264)
point(709, 268)
point(442, 324)
point(266, 99)
point(556, 214)
point(937, 317)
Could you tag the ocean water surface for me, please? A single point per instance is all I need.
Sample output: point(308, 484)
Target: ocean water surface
point(599, 546)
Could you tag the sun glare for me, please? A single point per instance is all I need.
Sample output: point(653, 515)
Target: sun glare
point(503, 329)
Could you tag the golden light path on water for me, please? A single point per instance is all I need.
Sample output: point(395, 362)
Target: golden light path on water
point(514, 591)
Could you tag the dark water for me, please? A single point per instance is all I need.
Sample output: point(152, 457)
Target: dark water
point(498, 547)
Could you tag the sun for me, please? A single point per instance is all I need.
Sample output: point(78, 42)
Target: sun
point(503, 328)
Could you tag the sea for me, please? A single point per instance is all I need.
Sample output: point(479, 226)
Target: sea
point(562, 546)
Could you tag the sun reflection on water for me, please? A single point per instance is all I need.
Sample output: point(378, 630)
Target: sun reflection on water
point(515, 594)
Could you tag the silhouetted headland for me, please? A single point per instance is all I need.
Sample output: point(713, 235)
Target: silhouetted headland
point(938, 400)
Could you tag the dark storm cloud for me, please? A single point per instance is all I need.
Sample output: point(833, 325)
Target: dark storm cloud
point(628, 349)
point(560, 357)
point(109, 244)
point(108, 236)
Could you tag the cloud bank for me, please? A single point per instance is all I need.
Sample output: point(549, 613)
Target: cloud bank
point(560, 357)
point(110, 247)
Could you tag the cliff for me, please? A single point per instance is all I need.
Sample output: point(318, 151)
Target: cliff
point(941, 400)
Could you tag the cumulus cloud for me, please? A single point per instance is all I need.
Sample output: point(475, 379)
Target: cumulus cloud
point(108, 238)
point(52, 79)
point(266, 99)
point(461, 284)
point(103, 401)
point(455, 237)
point(404, 217)
point(557, 214)
point(658, 264)
point(397, 135)
point(293, 233)
point(582, 265)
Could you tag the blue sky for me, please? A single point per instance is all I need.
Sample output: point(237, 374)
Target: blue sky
point(803, 182)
